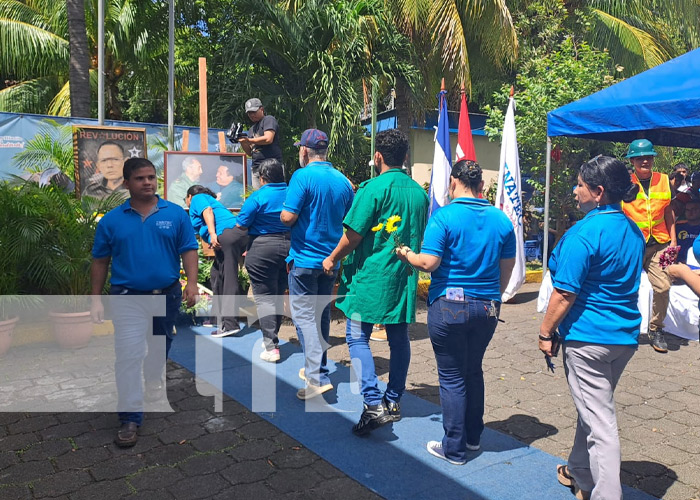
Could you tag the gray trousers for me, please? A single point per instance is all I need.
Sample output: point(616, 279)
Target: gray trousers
point(592, 371)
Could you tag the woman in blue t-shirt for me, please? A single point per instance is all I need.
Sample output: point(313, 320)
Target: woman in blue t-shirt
point(217, 226)
point(595, 273)
point(267, 251)
point(469, 246)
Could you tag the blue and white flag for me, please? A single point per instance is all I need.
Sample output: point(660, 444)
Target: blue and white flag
point(509, 197)
point(442, 160)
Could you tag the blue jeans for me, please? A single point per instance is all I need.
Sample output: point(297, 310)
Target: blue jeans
point(357, 335)
point(309, 292)
point(140, 355)
point(460, 332)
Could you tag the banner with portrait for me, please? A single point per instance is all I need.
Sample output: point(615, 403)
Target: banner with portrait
point(99, 154)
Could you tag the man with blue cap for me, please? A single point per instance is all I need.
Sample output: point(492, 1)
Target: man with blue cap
point(318, 197)
point(652, 213)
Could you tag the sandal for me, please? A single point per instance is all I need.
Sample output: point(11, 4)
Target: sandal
point(567, 480)
point(564, 477)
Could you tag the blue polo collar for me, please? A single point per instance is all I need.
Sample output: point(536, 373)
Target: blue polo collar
point(468, 200)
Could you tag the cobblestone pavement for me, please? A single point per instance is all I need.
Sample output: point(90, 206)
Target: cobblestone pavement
point(190, 453)
point(197, 453)
point(658, 397)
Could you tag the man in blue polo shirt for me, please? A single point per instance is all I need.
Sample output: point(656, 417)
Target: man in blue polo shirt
point(317, 200)
point(144, 238)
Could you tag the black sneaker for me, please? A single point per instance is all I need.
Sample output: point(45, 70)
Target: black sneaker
point(393, 408)
point(657, 340)
point(373, 416)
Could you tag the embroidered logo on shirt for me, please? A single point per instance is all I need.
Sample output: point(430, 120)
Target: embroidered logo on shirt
point(164, 224)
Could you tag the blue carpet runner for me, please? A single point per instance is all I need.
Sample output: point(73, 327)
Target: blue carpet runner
point(392, 461)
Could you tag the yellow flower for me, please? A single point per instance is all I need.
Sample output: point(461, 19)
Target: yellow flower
point(391, 223)
point(378, 227)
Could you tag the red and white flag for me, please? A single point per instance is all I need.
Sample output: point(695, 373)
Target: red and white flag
point(465, 144)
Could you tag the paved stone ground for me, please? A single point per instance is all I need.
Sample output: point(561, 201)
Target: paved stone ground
point(658, 398)
point(188, 454)
point(196, 453)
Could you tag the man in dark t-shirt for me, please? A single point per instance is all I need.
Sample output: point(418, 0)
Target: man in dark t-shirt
point(262, 142)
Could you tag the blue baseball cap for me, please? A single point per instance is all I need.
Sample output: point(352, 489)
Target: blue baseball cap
point(313, 138)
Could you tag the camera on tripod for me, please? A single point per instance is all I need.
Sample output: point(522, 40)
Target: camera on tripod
point(236, 132)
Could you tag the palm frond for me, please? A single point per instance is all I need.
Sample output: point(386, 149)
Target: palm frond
point(60, 104)
point(29, 51)
point(30, 96)
point(51, 147)
point(626, 42)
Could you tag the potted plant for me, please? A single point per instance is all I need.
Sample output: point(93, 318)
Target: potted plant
point(11, 306)
point(51, 232)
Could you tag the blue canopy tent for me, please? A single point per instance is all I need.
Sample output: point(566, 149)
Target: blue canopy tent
point(661, 104)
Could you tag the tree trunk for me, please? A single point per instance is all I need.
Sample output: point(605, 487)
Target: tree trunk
point(79, 72)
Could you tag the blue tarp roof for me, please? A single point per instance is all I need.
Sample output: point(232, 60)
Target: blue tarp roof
point(387, 120)
point(661, 104)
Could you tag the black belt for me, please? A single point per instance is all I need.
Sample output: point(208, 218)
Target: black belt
point(156, 291)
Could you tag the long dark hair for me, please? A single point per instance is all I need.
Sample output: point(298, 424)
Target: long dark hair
point(613, 175)
point(199, 189)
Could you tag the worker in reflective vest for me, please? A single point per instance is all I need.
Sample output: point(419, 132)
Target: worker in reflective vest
point(653, 214)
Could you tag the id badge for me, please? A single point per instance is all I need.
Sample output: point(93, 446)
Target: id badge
point(455, 294)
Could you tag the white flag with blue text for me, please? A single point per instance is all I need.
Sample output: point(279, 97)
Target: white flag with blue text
point(509, 198)
point(442, 160)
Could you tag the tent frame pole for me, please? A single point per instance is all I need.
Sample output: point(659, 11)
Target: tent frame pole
point(548, 169)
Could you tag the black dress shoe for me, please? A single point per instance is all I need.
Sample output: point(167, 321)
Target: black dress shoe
point(127, 435)
point(393, 408)
point(372, 417)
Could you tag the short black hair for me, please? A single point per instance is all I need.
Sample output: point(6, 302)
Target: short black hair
point(271, 170)
point(134, 164)
point(469, 173)
point(612, 174)
point(393, 146)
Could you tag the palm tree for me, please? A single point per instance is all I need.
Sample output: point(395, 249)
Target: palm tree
point(34, 35)
point(79, 72)
point(310, 61)
point(450, 35)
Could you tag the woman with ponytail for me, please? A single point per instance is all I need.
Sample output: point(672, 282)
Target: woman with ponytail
point(217, 226)
point(595, 273)
point(469, 247)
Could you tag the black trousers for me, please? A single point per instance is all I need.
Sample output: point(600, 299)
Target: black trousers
point(224, 275)
point(265, 262)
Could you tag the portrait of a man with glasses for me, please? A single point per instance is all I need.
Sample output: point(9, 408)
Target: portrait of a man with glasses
point(109, 167)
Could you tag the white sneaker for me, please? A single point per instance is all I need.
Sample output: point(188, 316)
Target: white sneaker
point(302, 374)
point(270, 356)
point(311, 391)
point(224, 333)
point(435, 449)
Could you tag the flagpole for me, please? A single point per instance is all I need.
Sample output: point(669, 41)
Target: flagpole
point(545, 248)
point(100, 62)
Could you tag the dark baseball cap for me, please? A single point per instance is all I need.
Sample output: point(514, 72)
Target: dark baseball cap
point(313, 138)
point(253, 104)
